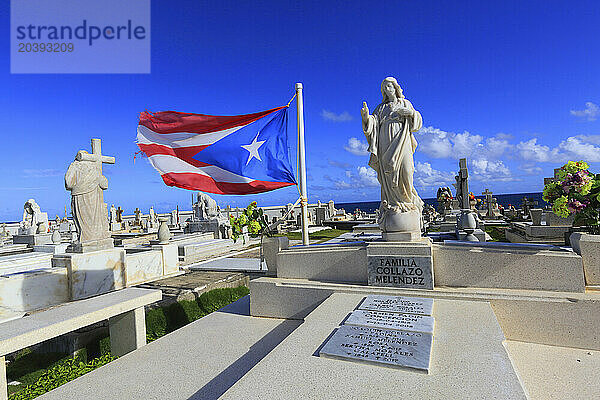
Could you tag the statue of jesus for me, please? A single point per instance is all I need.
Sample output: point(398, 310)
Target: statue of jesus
point(85, 181)
point(389, 132)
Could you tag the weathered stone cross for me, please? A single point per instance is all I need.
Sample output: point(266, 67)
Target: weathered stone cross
point(96, 155)
point(488, 202)
point(488, 195)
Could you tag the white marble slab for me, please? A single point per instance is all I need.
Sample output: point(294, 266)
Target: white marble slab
point(95, 273)
point(24, 262)
point(397, 304)
point(143, 266)
point(380, 346)
point(388, 320)
point(33, 290)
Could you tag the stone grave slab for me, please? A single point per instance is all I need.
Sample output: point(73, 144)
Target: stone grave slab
point(388, 320)
point(413, 272)
point(397, 304)
point(380, 346)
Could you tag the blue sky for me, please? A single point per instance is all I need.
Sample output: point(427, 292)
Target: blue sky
point(512, 86)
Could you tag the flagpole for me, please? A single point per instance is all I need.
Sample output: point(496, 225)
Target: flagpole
point(302, 164)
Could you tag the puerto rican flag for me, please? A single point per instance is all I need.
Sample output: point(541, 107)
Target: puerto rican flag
point(241, 154)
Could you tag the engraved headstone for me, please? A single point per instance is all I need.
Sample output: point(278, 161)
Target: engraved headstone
point(393, 348)
point(397, 304)
point(414, 271)
point(388, 320)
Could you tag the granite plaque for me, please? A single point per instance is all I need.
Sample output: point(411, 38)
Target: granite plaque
point(414, 272)
point(384, 346)
point(388, 320)
point(397, 304)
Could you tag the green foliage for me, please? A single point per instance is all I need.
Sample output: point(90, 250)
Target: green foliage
point(321, 236)
point(156, 324)
point(41, 373)
point(576, 192)
point(253, 218)
point(161, 321)
point(64, 371)
point(219, 298)
point(496, 233)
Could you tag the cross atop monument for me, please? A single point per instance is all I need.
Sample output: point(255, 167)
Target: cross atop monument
point(96, 155)
point(488, 195)
point(463, 184)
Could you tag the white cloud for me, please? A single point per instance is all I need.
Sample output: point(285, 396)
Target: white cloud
point(357, 147)
point(41, 173)
point(331, 116)
point(532, 151)
point(581, 147)
point(367, 177)
point(339, 164)
point(437, 143)
point(426, 176)
point(490, 170)
point(362, 177)
point(531, 169)
point(578, 148)
point(591, 111)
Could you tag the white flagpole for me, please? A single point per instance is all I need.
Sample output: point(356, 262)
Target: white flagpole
point(302, 164)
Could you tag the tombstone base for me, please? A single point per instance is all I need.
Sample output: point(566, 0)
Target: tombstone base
point(94, 245)
point(33, 240)
point(116, 226)
point(401, 236)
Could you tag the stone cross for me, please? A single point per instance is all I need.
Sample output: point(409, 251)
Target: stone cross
point(489, 202)
point(554, 178)
point(96, 155)
point(138, 217)
point(526, 204)
point(119, 214)
point(462, 184)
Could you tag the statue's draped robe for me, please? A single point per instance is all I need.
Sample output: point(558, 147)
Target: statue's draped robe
point(392, 144)
point(84, 180)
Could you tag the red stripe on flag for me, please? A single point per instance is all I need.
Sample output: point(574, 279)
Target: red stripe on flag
point(173, 121)
point(204, 183)
point(184, 153)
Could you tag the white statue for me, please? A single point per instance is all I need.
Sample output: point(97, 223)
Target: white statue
point(113, 213)
point(392, 144)
point(152, 219)
point(34, 220)
point(205, 207)
point(85, 181)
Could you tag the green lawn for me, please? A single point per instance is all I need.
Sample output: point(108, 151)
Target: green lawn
point(321, 236)
point(40, 373)
point(497, 233)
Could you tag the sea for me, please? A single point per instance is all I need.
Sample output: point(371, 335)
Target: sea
point(514, 199)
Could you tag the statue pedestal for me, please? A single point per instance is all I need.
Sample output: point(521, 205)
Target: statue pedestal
point(93, 273)
point(94, 245)
point(401, 227)
point(33, 240)
point(401, 236)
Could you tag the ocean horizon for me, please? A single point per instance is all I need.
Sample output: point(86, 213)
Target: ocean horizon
point(514, 199)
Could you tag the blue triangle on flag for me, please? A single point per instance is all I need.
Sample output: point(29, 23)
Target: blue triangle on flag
point(257, 151)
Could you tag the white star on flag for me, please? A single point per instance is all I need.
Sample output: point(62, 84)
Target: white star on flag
point(253, 149)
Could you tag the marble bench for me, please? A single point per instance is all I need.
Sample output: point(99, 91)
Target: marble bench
point(124, 310)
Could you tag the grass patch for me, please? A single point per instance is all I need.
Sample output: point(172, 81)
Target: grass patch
point(40, 373)
point(161, 321)
point(496, 233)
point(321, 236)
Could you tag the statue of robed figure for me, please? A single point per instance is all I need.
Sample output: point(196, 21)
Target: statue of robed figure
point(85, 181)
point(389, 132)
